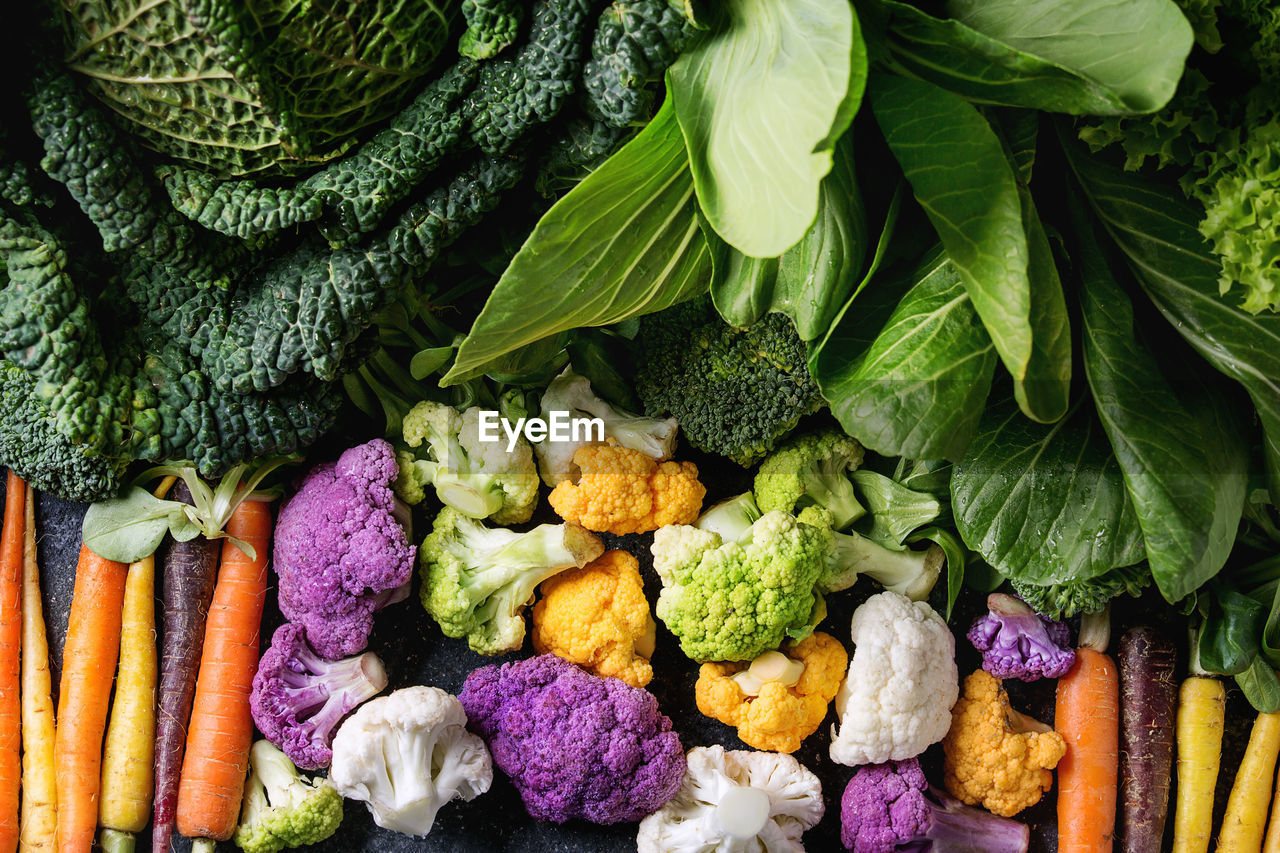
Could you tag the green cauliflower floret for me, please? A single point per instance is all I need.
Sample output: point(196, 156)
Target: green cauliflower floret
point(491, 26)
point(736, 598)
point(480, 479)
point(477, 580)
point(736, 583)
point(735, 392)
point(281, 808)
point(1063, 600)
point(31, 445)
point(812, 470)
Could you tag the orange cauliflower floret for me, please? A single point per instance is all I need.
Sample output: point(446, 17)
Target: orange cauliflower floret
point(598, 618)
point(625, 491)
point(996, 756)
point(780, 717)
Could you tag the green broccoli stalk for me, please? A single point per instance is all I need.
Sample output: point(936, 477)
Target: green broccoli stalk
point(477, 580)
point(477, 478)
point(906, 572)
point(282, 809)
point(812, 470)
point(1063, 600)
point(731, 519)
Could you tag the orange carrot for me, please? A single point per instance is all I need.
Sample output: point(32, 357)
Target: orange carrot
point(84, 695)
point(11, 543)
point(1088, 718)
point(221, 730)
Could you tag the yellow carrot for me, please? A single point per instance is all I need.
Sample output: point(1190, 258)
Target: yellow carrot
point(39, 817)
point(1202, 703)
point(129, 753)
point(1271, 844)
point(1246, 817)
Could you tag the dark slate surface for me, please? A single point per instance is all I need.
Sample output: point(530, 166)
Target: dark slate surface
point(416, 653)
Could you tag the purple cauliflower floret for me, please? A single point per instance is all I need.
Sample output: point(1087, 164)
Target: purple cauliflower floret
point(340, 551)
point(299, 698)
point(1017, 642)
point(888, 807)
point(575, 745)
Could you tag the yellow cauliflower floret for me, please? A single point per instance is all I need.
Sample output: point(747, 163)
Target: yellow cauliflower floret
point(996, 756)
point(598, 618)
point(780, 717)
point(624, 491)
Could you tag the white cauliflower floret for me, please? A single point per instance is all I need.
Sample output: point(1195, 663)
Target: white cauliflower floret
point(570, 392)
point(736, 801)
point(407, 754)
point(896, 700)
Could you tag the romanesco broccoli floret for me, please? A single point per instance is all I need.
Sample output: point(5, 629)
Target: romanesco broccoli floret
point(1063, 600)
point(733, 597)
point(812, 470)
point(281, 808)
point(735, 392)
point(480, 479)
point(477, 580)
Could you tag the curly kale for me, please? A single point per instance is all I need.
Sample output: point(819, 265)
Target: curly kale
point(492, 25)
point(31, 445)
point(736, 392)
point(633, 46)
point(1221, 135)
point(1063, 600)
point(230, 318)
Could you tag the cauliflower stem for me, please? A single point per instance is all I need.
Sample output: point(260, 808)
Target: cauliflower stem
point(907, 572)
point(281, 809)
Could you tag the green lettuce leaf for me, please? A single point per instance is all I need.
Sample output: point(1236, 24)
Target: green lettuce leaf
point(1185, 459)
point(1088, 57)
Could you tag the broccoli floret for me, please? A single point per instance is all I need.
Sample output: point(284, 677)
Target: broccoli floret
point(282, 809)
point(812, 470)
point(31, 445)
point(477, 580)
point(1062, 600)
point(735, 392)
point(570, 392)
point(479, 479)
point(299, 698)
